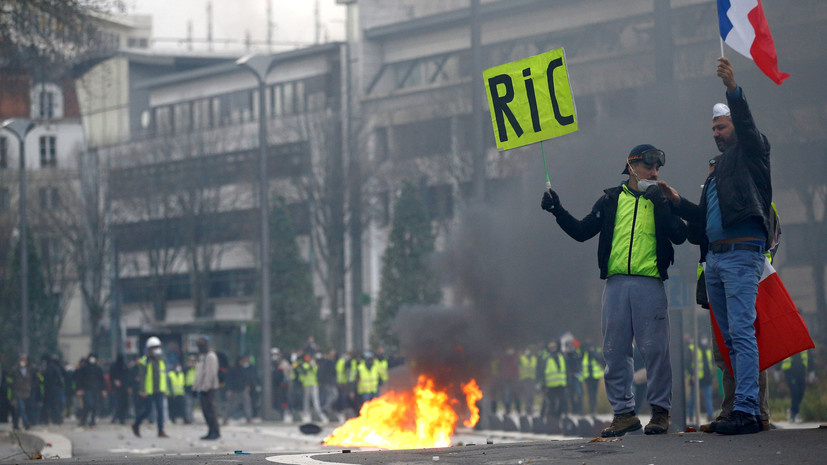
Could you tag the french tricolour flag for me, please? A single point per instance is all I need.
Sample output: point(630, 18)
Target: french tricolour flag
point(744, 28)
point(779, 328)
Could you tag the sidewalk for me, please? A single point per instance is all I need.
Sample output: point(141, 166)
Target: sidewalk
point(19, 444)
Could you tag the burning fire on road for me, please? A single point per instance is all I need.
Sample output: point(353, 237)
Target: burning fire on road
point(424, 417)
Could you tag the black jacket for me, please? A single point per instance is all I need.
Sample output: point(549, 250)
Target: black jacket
point(668, 229)
point(742, 175)
point(90, 378)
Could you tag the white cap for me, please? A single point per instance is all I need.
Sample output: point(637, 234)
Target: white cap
point(720, 109)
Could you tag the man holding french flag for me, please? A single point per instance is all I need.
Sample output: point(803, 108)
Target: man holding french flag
point(734, 212)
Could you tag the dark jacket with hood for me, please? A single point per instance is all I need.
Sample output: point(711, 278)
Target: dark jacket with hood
point(742, 175)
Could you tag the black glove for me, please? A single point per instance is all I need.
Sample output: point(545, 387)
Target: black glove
point(551, 201)
point(654, 194)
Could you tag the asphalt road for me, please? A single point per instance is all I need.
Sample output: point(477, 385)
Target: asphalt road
point(278, 446)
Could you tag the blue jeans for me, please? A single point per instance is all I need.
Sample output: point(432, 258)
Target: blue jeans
point(706, 400)
point(634, 309)
point(156, 400)
point(19, 412)
point(732, 285)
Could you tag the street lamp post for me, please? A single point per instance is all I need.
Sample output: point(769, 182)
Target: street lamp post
point(259, 65)
point(20, 127)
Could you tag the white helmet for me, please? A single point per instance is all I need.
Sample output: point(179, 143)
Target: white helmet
point(153, 342)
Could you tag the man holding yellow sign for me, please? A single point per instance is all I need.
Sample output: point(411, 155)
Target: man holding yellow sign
point(637, 229)
point(530, 101)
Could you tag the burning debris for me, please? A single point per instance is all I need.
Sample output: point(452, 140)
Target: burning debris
point(423, 417)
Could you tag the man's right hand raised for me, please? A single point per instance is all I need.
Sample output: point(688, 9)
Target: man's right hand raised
point(551, 201)
point(669, 192)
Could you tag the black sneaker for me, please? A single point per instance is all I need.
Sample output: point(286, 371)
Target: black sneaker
point(659, 424)
point(622, 424)
point(738, 422)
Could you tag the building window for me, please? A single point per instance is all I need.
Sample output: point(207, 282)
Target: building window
point(48, 151)
point(201, 114)
point(288, 102)
point(422, 138)
point(5, 201)
point(4, 153)
point(47, 105)
point(381, 134)
point(163, 120)
point(276, 102)
point(182, 117)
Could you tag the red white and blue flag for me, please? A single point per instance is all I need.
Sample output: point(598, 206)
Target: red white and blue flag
point(744, 28)
point(779, 328)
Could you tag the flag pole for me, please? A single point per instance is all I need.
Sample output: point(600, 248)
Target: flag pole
point(548, 181)
point(722, 45)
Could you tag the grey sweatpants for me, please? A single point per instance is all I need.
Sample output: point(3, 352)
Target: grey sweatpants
point(635, 309)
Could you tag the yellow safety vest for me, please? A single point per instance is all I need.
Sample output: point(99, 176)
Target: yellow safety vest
point(368, 378)
point(383, 369)
point(699, 360)
point(591, 365)
point(528, 366)
point(308, 375)
point(148, 381)
point(177, 381)
point(788, 362)
point(634, 246)
point(556, 371)
point(189, 380)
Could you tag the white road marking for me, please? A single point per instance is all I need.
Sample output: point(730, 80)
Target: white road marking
point(148, 450)
point(303, 459)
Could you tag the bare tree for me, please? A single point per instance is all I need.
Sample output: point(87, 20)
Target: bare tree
point(56, 222)
point(144, 206)
point(322, 190)
point(203, 194)
point(48, 34)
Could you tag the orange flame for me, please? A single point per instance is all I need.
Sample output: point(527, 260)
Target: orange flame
point(472, 395)
point(419, 419)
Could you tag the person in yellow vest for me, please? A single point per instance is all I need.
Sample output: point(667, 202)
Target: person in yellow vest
point(554, 380)
point(637, 229)
point(526, 369)
point(382, 362)
point(189, 381)
point(177, 383)
point(795, 373)
point(592, 373)
point(702, 363)
point(307, 373)
point(345, 375)
point(367, 379)
point(152, 386)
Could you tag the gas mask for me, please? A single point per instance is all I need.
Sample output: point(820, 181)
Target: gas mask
point(642, 184)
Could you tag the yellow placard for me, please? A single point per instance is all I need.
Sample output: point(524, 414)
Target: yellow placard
point(530, 100)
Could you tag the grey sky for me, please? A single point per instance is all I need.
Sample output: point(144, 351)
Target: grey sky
point(294, 19)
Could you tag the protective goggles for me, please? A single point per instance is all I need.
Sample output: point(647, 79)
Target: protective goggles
point(650, 157)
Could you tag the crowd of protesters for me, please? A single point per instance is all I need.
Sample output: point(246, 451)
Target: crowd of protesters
point(308, 383)
point(312, 384)
point(563, 378)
